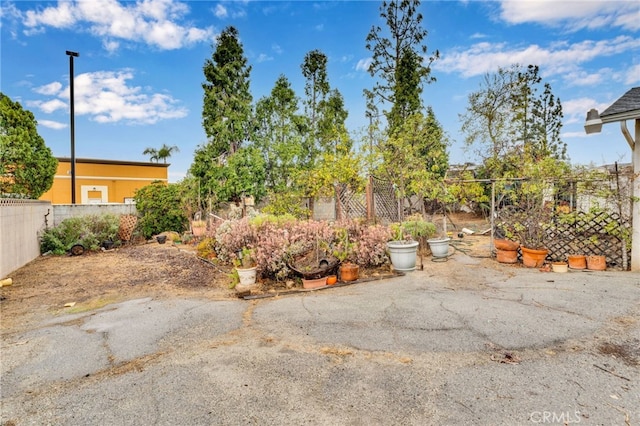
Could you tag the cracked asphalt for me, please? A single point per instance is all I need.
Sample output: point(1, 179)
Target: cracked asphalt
point(480, 346)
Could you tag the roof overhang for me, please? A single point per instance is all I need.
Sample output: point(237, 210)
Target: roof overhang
point(594, 121)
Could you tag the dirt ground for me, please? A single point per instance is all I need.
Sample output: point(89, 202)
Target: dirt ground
point(96, 279)
point(79, 283)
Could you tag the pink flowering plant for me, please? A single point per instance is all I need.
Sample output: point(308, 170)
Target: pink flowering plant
point(370, 248)
point(275, 240)
point(232, 236)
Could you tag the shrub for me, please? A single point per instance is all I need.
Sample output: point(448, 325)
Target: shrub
point(90, 231)
point(275, 240)
point(160, 208)
point(206, 248)
point(232, 236)
point(370, 248)
point(413, 227)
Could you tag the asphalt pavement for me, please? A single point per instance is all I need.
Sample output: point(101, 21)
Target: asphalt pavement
point(458, 343)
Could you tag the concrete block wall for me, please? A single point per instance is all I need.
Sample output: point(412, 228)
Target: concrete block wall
point(324, 209)
point(65, 211)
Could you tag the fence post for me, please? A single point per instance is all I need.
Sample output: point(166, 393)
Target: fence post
point(338, 202)
point(371, 209)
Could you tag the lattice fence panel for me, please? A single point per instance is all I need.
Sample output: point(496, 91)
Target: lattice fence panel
point(353, 205)
point(589, 234)
point(384, 200)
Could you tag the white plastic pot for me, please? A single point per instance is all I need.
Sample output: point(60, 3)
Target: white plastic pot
point(439, 246)
point(247, 276)
point(403, 255)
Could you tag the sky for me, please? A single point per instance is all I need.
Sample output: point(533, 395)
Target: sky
point(138, 75)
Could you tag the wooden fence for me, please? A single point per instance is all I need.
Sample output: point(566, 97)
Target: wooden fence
point(378, 204)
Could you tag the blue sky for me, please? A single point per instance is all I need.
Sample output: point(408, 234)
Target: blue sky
point(139, 74)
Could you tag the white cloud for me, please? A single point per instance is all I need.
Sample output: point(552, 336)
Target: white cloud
point(263, 57)
point(62, 16)
point(49, 89)
point(573, 14)
point(570, 135)
point(632, 75)
point(363, 64)
point(230, 8)
point(277, 48)
point(154, 22)
point(319, 27)
point(478, 36)
point(220, 11)
point(575, 110)
point(110, 45)
point(55, 125)
point(584, 78)
point(106, 97)
point(559, 58)
point(48, 106)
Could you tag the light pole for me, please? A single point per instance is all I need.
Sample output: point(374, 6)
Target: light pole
point(73, 126)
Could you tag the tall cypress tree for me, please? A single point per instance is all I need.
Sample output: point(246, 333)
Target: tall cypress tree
point(400, 61)
point(226, 116)
point(226, 109)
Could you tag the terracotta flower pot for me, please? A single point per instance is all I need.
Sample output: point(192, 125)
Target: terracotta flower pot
point(314, 283)
point(349, 272)
point(332, 279)
point(506, 256)
point(199, 231)
point(508, 245)
point(596, 263)
point(577, 261)
point(533, 258)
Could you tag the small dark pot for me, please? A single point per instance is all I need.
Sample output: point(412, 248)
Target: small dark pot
point(161, 239)
point(107, 244)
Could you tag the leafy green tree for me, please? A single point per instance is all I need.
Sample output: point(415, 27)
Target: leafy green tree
point(539, 115)
point(161, 208)
point(279, 136)
point(27, 166)
point(327, 137)
point(488, 122)
point(408, 88)
point(332, 126)
point(245, 175)
point(546, 126)
point(316, 89)
point(415, 158)
point(400, 60)
point(338, 163)
point(511, 123)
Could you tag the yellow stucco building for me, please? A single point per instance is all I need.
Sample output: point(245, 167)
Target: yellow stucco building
point(103, 181)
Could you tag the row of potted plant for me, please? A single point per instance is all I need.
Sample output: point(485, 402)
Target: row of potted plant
point(507, 252)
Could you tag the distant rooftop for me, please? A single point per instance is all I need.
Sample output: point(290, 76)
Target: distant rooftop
point(112, 162)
